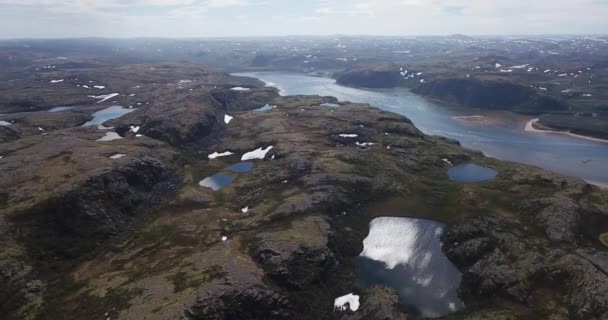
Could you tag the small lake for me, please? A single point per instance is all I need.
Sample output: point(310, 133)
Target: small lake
point(110, 113)
point(405, 254)
point(264, 108)
point(217, 181)
point(330, 105)
point(59, 109)
point(470, 172)
point(241, 167)
point(506, 141)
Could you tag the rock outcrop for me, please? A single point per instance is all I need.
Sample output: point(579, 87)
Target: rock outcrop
point(493, 95)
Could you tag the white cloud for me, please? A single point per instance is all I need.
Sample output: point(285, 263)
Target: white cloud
point(175, 18)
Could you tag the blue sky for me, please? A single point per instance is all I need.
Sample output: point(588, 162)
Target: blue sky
point(212, 18)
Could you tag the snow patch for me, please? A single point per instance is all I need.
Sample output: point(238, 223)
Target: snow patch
point(349, 301)
point(57, 81)
point(118, 156)
point(259, 153)
point(5, 123)
point(240, 89)
point(105, 97)
point(364, 144)
point(227, 119)
point(216, 155)
point(110, 136)
point(349, 135)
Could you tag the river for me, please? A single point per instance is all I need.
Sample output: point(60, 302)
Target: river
point(495, 136)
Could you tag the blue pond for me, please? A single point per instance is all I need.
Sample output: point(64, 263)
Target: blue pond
point(58, 109)
point(471, 172)
point(330, 105)
point(264, 108)
point(110, 113)
point(241, 167)
point(216, 182)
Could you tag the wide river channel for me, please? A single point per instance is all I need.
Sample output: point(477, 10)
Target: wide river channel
point(500, 135)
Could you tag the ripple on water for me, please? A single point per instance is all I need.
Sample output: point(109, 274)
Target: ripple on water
point(217, 181)
point(405, 254)
point(470, 172)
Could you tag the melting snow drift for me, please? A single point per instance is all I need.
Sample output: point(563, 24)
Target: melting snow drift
point(216, 155)
point(349, 301)
point(110, 136)
point(259, 153)
point(105, 97)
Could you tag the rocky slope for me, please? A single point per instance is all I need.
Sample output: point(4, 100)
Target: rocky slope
point(121, 229)
point(494, 95)
point(382, 75)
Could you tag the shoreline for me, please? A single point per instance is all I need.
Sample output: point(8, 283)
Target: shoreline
point(530, 128)
point(601, 185)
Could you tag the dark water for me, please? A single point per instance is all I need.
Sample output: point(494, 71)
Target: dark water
point(110, 113)
point(217, 181)
point(241, 167)
point(470, 172)
point(405, 254)
point(557, 153)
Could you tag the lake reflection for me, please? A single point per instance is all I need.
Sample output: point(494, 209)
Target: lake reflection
point(405, 254)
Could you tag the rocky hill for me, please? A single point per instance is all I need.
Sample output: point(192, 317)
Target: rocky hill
point(114, 221)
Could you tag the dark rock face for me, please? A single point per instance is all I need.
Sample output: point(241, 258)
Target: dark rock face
point(239, 295)
point(73, 213)
point(8, 134)
point(176, 122)
point(375, 76)
point(496, 261)
point(105, 205)
point(299, 256)
point(496, 95)
point(244, 100)
point(379, 303)
point(247, 304)
point(19, 286)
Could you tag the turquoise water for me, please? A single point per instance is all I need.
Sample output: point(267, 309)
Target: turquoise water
point(471, 172)
point(558, 153)
point(264, 108)
point(110, 113)
point(330, 105)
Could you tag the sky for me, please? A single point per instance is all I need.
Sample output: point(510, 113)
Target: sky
point(229, 18)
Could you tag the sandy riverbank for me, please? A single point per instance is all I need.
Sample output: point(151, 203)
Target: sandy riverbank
point(530, 128)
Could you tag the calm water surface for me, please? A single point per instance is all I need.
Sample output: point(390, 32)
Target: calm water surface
point(470, 172)
point(405, 254)
point(506, 141)
point(110, 113)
